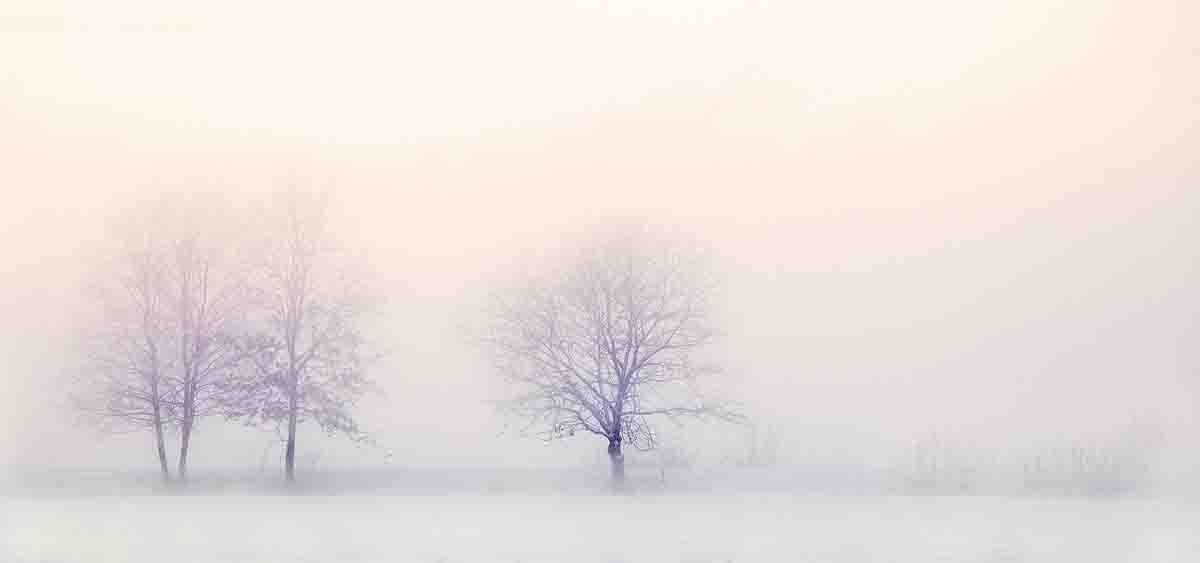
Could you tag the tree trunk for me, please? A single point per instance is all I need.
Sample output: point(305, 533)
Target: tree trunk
point(162, 448)
point(289, 460)
point(185, 437)
point(185, 431)
point(617, 461)
point(186, 357)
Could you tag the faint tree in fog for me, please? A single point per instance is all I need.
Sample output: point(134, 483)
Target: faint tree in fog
point(762, 445)
point(608, 343)
point(123, 383)
point(939, 466)
point(1120, 463)
point(306, 353)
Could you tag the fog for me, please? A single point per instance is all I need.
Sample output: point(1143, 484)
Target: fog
point(969, 221)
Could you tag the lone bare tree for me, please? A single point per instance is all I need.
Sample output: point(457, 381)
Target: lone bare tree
point(608, 343)
point(123, 383)
point(306, 350)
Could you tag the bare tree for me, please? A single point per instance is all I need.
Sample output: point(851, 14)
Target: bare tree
point(307, 354)
point(608, 343)
point(123, 384)
point(206, 294)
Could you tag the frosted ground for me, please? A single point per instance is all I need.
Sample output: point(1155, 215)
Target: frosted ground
point(583, 528)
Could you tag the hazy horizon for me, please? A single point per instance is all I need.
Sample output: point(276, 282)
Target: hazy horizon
point(980, 224)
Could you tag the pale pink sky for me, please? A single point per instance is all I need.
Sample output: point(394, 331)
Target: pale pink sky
point(977, 217)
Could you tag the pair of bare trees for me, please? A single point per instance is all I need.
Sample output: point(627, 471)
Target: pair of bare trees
point(155, 346)
point(608, 343)
point(188, 322)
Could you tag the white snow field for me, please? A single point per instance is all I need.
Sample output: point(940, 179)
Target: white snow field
point(594, 528)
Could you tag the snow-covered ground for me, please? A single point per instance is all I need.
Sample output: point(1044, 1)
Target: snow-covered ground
point(594, 528)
